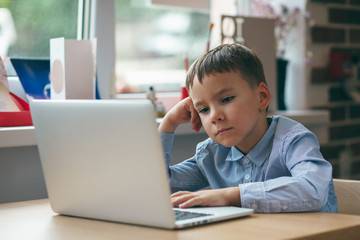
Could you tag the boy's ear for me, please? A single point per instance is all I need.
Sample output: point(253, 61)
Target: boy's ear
point(265, 96)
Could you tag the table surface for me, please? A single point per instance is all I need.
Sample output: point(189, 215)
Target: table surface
point(36, 220)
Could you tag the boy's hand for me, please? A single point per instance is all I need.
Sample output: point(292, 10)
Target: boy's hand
point(182, 112)
point(207, 198)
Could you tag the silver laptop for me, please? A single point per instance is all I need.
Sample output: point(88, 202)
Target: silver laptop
point(103, 159)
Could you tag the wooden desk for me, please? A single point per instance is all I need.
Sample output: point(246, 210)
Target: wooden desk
point(35, 220)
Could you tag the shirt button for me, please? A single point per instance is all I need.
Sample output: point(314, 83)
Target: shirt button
point(246, 161)
point(247, 176)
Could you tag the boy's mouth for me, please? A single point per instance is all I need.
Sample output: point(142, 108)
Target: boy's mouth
point(222, 130)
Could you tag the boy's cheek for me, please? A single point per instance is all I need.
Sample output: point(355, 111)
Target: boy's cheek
point(203, 121)
point(207, 128)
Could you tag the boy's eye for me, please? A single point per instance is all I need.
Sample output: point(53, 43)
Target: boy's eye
point(227, 99)
point(203, 110)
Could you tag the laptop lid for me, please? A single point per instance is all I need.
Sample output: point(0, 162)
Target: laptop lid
point(103, 159)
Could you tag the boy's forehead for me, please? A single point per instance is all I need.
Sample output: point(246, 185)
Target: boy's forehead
point(218, 76)
point(196, 84)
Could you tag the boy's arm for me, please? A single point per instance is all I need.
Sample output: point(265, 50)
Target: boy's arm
point(306, 188)
point(185, 175)
point(182, 112)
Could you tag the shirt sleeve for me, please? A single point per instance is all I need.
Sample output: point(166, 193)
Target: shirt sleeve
point(307, 187)
point(167, 140)
point(184, 176)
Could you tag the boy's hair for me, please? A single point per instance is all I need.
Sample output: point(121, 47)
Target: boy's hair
point(227, 58)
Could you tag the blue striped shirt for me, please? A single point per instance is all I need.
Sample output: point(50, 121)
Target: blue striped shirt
point(284, 172)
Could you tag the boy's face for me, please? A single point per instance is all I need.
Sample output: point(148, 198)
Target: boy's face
point(232, 113)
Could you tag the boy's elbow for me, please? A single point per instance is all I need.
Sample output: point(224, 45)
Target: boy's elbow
point(318, 204)
point(318, 200)
point(314, 197)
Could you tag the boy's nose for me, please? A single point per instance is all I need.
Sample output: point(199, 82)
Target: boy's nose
point(217, 115)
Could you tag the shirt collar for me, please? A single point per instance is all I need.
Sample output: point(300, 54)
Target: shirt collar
point(260, 152)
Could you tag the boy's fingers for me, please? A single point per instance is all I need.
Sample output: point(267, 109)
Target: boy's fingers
point(192, 202)
point(197, 125)
point(179, 193)
point(195, 120)
point(176, 201)
point(188, 104)
point(193, 116)
point(183, 199)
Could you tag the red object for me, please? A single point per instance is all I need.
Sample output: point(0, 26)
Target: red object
point(340, 64)
point(184, 93)
point(12, 119)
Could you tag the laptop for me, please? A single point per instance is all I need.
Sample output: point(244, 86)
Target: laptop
point(103, 159)
point(33, 74)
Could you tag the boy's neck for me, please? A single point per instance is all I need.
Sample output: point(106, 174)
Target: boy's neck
point(263, 127)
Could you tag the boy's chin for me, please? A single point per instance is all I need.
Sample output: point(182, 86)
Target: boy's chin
point(223, 143)
point(227, 145)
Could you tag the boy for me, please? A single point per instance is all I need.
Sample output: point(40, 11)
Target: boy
point(270, 164)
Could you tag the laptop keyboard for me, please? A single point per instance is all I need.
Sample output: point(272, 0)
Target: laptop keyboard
point(182, 215)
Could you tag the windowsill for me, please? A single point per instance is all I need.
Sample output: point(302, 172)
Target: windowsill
point(17, 136)
point(25, 135)
point(315, 120)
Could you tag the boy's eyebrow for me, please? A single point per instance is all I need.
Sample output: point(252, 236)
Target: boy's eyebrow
point(198, 104)
point(221, 92)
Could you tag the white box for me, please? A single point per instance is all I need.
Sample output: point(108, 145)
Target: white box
point(73, 68)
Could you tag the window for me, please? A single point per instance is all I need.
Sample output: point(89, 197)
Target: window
point(152, 42)
point(27, 26)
